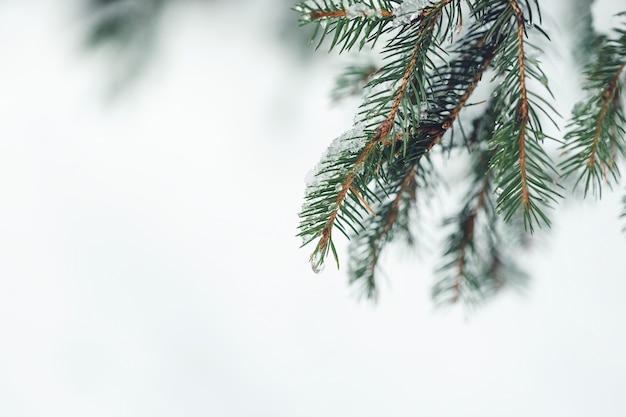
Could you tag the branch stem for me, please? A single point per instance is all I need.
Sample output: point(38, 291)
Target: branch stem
point(523, 111)
point(343, 13)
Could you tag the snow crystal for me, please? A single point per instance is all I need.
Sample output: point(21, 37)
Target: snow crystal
point(408, 10)
point(352, 9)
point(350, 141)
point(360, 10)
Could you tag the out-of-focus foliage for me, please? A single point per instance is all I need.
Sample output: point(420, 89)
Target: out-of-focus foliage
point(586, 39)
point(126, 30)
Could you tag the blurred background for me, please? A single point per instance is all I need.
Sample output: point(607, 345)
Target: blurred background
point(152, 156)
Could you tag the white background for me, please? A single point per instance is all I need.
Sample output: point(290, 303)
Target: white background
point(148, 264)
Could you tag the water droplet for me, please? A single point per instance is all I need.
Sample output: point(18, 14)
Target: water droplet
point(317, 262)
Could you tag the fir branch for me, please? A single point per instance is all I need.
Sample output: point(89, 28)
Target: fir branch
point(335, 180)
point(477, 262)
point(393, 217)
point(367, 187)
point(365, 249)
point(524, 173)
point(468, 223)
point(398, 90)
point(596, 137)
point(523, 109)
point(454, 83)
point(453, 86)
point(349, 21)
point(350, 172)
point(610, 98)
point(347, 13)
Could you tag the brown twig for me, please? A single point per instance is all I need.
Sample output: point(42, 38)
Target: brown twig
point(523, 111)
point(343, 13)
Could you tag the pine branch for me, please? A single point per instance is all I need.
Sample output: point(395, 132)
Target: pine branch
point(393, 217)
point(360, 12)
point(340, 198)
point(348, 21)
point(477, 263)
point(370, 181)
point(397, 94)
point(327, 189)
point(410, 174)
point(524, 173)
point(596, 139)
point(523, 109)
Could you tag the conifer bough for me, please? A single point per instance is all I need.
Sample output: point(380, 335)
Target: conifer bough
point(374, 180)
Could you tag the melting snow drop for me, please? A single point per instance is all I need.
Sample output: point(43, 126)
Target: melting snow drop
point(317, 262)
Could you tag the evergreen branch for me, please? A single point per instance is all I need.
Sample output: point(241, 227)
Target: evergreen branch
point(398, 89)
point(524, 173)
point(347, 13)
point(399, 196)
point(523, 110)
point(392, 218)
point(327, 204)
point(596, 137)
point(385, 127)
point(368, 183)
point(476, 263)
point(455, 84)
point(609, 98)
point(468, 223)
point(324, 213)
point(336, 178)
point(462, 245)
point(349, 21)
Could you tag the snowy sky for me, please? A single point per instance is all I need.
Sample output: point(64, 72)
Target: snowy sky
point(149, 264)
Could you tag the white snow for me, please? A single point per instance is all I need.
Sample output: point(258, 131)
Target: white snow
point(350, 141)
point(352, 9)
point(408, 10)
point(360, 10)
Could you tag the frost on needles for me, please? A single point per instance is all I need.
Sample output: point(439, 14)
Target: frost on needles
point(374, 181)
